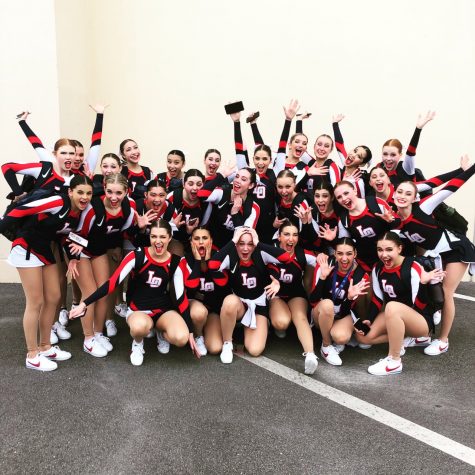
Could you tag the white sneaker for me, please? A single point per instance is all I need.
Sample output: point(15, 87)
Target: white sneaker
point(121, 310)
point(437, 317)
point(410, 342)
point(200, 343)
point(63, 317)
point(136, 354)
point(353, 342)
point(104, 341)
point(330, 355)
point(94, 348)
point(40, 363)
point(227, 352)
point(55, 353)
point(402, 351)
point(385, 367)
point(362, 346)
point(53, 338)
point(311, 363)
point(338, 348)
point(111, 329)
point(437, 347)
point(61, 332)
point(280, 333)
point(163, 346)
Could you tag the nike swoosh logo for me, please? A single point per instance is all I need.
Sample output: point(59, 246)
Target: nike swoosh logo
point(52, 356)
point(220, 206)
point(61, 216)
point(325, 354)
point(45, 174)
point(36, 365)
point(388, 370)
point(87, 348)
point(421, 340)
point(102, 220)
point(442, 348)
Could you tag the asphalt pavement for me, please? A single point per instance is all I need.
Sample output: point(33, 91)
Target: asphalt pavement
point(179, 415)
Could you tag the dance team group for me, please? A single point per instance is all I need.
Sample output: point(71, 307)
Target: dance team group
point(281, 237)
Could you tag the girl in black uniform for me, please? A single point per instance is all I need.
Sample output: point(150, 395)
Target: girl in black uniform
point(402, 170)
point(149, 300)
point(264, 193)
point(34, 257)
point(103, 226)
point(337, 284)
point(206, 290)
point(363, 220)
point(154, 206)
point(78, 164)
point(136, 174)
point(173, 177)
point(288, 200)
point(246, 260)
point(110, 165)
point(398, 285)
point(232, 207)
point(317, 219)
point(290, 304)
point(457, 252)
point(189, 208)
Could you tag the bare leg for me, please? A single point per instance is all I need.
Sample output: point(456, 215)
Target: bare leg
point(199, 314)
point(173, 328)
point(51, 299)
point(298, 309)
point(455, 272)
point(32, 282)
point(213, 336)
point(231, 311)
point(255, 339)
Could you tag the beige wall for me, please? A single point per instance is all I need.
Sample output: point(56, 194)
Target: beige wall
point(167, 68)
point(28, 80)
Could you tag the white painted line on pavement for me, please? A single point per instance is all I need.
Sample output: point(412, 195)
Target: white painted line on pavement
point(464, 297)
point(440, 442)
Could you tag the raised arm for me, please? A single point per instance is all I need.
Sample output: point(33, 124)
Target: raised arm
point(43, 154)
point(94, 151)
point(338, 137)
point(409, 163)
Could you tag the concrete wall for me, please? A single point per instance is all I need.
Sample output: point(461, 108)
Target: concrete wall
point(167, 69)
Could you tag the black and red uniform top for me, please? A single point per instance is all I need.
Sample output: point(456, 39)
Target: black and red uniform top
point(137, 181)
point(149, 285)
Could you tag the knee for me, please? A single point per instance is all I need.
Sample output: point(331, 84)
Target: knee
point(340, 337)
point(198, 317)
point(391, 310)
point(141, 328)
point(280, 323)
point(254, 349)
point(177, 337)
point(229, 305)
point(214, 346)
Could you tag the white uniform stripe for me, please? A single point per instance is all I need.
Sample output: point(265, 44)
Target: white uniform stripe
point(433, 439)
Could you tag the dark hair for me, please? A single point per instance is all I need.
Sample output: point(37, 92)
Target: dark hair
point(391, 236)
point(212, 150)
point(368, 156)
point(114, 156)
point(122, 144)
point(286, 223)
point(286, 173)
point(345, 241)
point(193, 172)
point(161, 223)
point(377, 167)
point(263, 148)
point(252, 173)
point(201, 228)
point(325, 185)
point(155, 183)
point(177, 152)
point(77, 143)
point(79, 180)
